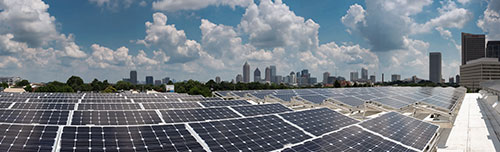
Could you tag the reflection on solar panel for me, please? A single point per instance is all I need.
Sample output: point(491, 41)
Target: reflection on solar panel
point(38, 116)
point(349, 139)
point(108, 106)
point(254, 110)
point(27, 137)
point(265, 133)
point(46, 106)
point(318, 121)
point(317, 99)
point(115, 118)
point(143, 138)
point(224, 103)
point(169, 105)
point(409, 131)
point(351, 101)
point(187, 115)
point(391, 102)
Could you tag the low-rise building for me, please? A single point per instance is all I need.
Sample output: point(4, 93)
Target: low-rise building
point(479, 70)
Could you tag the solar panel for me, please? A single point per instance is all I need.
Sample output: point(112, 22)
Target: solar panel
point(407, 130)
point(391, 102)
point(224, 103)
point(115, 118)
point(170, 105)
point(45, 106)
point(142, 138)
point(9, 99)
point(156, 100)
point(27, 137)
point(265, 133)
point(34, 116)
point(187, 115)
point(253, 110)
point(285, 97)
point(349, 139)
point(318, 121)
point(105, 100)
point(351, 101)
point(317, 99)
point(55, 100)
point(88, 106)
point(5, 104)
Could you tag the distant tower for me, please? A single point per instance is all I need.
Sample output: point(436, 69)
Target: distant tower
point(256, 75)
point(435, 67)
point(246, 73)
point(325, 77)
point(268, 74)
point(382, 77)
point(239, 78)
point(472, 47)
point(364, 74)
point(149, 80)
point(133, 77)
point(273, 73)
point(217, 79)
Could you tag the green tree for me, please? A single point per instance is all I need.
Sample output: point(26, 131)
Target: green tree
point(28, 88)
point(123, 85)
point(4, 85)
point(336, 84)
point(110, 89)
point(75, 83)
point(22, 83)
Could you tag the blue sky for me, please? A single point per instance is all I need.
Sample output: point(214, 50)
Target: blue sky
point(191, 39)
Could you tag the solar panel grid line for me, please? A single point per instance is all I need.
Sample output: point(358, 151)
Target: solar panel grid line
point(57, 143)
point(161, 116)
point(296, 126)
point(197, 137)
point(387, 138)
point(27, 100)
point(70, 117)
point(238, 113)
point(201, 105)
point(11, 105)
point(141, 106)
point(261, 109)
point(131, 100)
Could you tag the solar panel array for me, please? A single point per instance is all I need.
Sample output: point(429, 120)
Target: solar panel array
point(179, 122)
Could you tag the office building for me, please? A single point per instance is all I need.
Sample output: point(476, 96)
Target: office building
point(477, 71)
point(157, 82)
point(217, 79)
point(435, 67)
point(305, 73)
point(149, 80)
point(493, 49)
point(372, 78)
point(273, 73)
point(239, 78)
point(268, 74)
point(10, 80)
point(325, 77)
point(472, 47)
point(256, 75)
point(166, 80)
point(133, 77)
point(354, 76)
point(451, 80)
point(382, 77)
point(364, 74)
point(246, 73)
point(395, 77)
point(457, 79)
point(278, 79)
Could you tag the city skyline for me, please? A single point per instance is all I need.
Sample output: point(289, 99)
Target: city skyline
point(215, 37)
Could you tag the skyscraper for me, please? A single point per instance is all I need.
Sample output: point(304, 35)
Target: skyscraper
point(325, 77)
point(293, 78)
point(372, 78)
point(457, 79)
point(133, 77)
point(239, 78)
point(166, 80)
point(493, 49)
point(382, 77)
point(268, 74)
point(256, 75)
point(395, 77)
point(354, 76)
point(149, 80)
point(246, 73)
point(273, 73)
point(217, 79)
point(364, 74)
point(472, 47)
point(435, 67)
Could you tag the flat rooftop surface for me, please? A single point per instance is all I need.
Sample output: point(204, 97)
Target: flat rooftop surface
point(471, 131)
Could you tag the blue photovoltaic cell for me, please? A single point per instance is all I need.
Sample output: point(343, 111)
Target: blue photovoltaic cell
point(391, 102)
point(189, 115)
point(27, 138)
point(262, 109)
point(317, 99)
point(318, 121)
point(407, 130)
point(224, 103)
point(351, 101)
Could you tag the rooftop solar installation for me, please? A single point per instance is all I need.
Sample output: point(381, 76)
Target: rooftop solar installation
point(171, 105)
point(404, 129)
point(27, 137)
point(55, 100)
point(45, 106)
point(351, 101)
point(34, 116)
point(317, 99)
point(115, 117)
point(105, 100)
point(285, 97)
point(106, 106)
point(349, 139)
point(224, 103)
point(5, 104)
point(253, 110)
point(188, 115)
point(318, 121)
point(264, 133)
point(397, 104)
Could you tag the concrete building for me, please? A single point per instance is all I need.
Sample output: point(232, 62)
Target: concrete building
point(165, 80)
point(157, 82)
point(273, 73)
point(293, 78)
point(133, 77)
point(239, 78)
point(493, 49)
point(10, 80)
point(354, 76)
point(217, 79)
point(451, 80)
point(479, 70)
point(364, 74)
point(278, 79)
point(268, 74)
point(325, 77)
point(256, 75)
point(246, 73)
point(149, 80)
point(457, 79)
point(435, 74)
point(472, 47)
point(395, 77)
point(382, 77)
point(372, 78)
